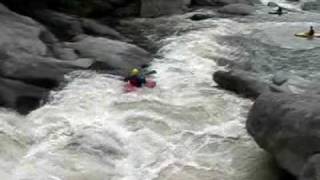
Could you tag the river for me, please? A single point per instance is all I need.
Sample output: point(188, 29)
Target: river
point(184, 129)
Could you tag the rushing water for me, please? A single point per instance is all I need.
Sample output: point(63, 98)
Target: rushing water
point(184, 129)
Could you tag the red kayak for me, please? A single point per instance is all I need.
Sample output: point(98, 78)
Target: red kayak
point(130, 88)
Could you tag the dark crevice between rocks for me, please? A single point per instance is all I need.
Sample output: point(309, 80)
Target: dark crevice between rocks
point(39, 82)
point(43, 82)
point(48, 39)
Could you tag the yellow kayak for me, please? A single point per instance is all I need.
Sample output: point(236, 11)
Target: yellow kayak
point(306, 35)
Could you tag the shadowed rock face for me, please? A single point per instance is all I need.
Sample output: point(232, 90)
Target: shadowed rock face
point(287, 126)
point(117, 56)
point(33, 60)
point(153, 8)
point(20, 96)
point(73, 25)
point(84, 8)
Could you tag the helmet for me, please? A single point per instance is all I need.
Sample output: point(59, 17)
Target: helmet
point(135, 72)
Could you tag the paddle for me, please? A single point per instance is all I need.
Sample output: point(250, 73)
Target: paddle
point(150, 72)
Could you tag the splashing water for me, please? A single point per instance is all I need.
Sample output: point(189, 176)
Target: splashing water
point(184, 129)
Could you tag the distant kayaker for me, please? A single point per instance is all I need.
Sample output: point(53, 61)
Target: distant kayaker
point(279, 11)
point(311, 31)
point(136, 78)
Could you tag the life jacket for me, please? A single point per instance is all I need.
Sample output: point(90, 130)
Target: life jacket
point(136, 81)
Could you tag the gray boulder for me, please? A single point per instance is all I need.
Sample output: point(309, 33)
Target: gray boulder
point(62, 25)
point(288, 126)
point(311, 6)
point(74, 26)
point(241, 82)
point(36, 70)
point(272, 4)
point(95, 28)
point(28, 67)
point(237, 9)
point(154, 8)
point(116, 56)
point(311, 169)
point(131, 9)
point(55, 48)
point(20, 96)
point(280, 78)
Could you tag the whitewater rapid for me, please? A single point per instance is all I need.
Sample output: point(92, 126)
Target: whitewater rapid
point(184, 129)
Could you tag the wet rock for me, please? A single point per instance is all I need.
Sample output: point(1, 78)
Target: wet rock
point(241, 82)
point(56, 48)
point(237, 9)
point(280, 78)
point(132, 9)
point(272, 4)
point(198, 17)
point(154, 8)
point(116, 56)
point(39, 71)
point(62, 25)
point(21, 96)
point(311, 169)
point(287, 126)
point(311, 6)
point(26, 47)
point(95, 28)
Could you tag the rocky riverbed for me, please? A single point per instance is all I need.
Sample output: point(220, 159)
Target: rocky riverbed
point(62, 65)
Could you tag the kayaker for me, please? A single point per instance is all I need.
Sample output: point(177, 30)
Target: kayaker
point(311, 31)
point(136, 78)
point(279, 11)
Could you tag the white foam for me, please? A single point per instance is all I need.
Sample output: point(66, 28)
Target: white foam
point(183, 128)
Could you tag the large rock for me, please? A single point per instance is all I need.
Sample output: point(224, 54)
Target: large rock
point(131, 9)
point(39, 71)
point(73, 26)
point(64, 26)
point(311, 6)
point(26, 47)
point(288, 126)
point(24, 52)
point(237, 9)
point(20, 96)
point(116, 56)
point(272, 4)
point(95, 28)
point(241, 82)
point(311, 169)
point(153, 8)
